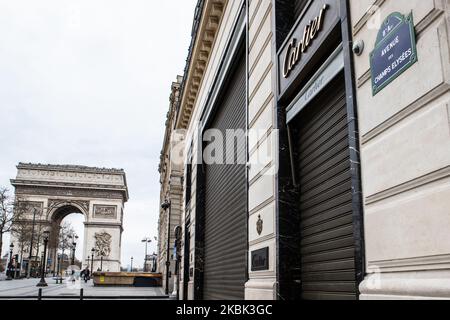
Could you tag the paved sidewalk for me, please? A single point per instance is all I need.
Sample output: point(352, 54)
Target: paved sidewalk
point(27, 288)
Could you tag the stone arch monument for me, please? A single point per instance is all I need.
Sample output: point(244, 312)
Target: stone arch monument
point(55, 191)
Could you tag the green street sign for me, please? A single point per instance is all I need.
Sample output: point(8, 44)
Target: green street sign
point(395, 50)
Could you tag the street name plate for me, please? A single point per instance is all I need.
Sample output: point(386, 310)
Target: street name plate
point(260, 260)
point(395, 50)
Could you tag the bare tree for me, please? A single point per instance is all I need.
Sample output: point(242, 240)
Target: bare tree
point(9, 212)
point(66, 231)
point(39, 232)
point(22, 232)
point(6, 214)
point(22, 228)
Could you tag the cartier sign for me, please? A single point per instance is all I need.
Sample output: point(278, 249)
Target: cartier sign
point(309, 35)
point(297, 48)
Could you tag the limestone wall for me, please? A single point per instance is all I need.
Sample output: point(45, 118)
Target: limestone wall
point(405, 150)
point(262, 146)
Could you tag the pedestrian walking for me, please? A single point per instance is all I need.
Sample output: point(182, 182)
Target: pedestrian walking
point(73, 277)
point(86, 274)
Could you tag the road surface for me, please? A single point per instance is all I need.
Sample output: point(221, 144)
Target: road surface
point(27, 288)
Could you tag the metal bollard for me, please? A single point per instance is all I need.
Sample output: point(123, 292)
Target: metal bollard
point(81, 294)
point(40, 295)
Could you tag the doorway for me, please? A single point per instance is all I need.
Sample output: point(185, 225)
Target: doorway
point(322, 168)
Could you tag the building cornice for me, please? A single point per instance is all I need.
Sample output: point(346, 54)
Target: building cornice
point(69, 168)
point(171, 117)
point(39, 181)
point(104, 225)
point(47, 184)
point(204, 34)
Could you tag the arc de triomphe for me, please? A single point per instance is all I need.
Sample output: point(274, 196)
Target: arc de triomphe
point(56, 191)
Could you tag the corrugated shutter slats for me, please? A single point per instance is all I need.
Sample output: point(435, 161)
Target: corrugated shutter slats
point(226, 203)
point(325, 206)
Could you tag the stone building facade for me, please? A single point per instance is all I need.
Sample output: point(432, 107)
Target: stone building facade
point(171, 177)
point(345, 189)
point(405, 154)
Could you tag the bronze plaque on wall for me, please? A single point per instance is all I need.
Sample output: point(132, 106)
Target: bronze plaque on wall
point(307, 36)
point(260, 260)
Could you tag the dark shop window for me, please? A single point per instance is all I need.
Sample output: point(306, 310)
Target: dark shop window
point(188, 183)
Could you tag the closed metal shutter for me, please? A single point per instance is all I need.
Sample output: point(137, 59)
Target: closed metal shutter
point(323, 170)
point(225, 252)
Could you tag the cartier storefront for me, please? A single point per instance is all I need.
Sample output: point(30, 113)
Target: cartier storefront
point(347, 101)
point(316, 117)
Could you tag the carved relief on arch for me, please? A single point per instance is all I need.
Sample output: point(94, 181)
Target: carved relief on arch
point(29, 206)
point(105, 212)
point(103, 244)
point(55, 204)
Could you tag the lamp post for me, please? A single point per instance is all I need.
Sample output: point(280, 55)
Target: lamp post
point(11, 248)
point(155, 257)
point(146, 241)
point(176, 291)
point(60, 266)
point(16, 273)
point(58, 272)
point(30, 256)
point(42, 262)
point(42, 283)
point(166, 206)
point(74, 247)
point(92, 260)
point(154, 262)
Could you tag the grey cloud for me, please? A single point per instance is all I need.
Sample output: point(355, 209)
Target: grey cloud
point(88, 83)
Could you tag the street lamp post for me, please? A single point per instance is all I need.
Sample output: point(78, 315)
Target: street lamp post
point(154, 262)
point(92, 260)
point(16, 267)
point(155, 258)
point(146, 241)
point(11, 248)
point(59, 275)
point(74, 247)
point(61, 262)
point(176, 291)
point(166, 206)
point(42, 283)
point(42, 262)
point(30, 256)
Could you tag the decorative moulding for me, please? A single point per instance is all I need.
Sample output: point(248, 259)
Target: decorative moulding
point(209, 24)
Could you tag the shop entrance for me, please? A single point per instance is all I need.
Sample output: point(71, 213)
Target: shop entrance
point(321, 160)
point(225, 251)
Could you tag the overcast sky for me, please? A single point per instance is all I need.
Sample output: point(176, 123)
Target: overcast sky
point(87, 82)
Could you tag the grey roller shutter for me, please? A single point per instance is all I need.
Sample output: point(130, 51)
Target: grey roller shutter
point(225, 239)
point(325, 208)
